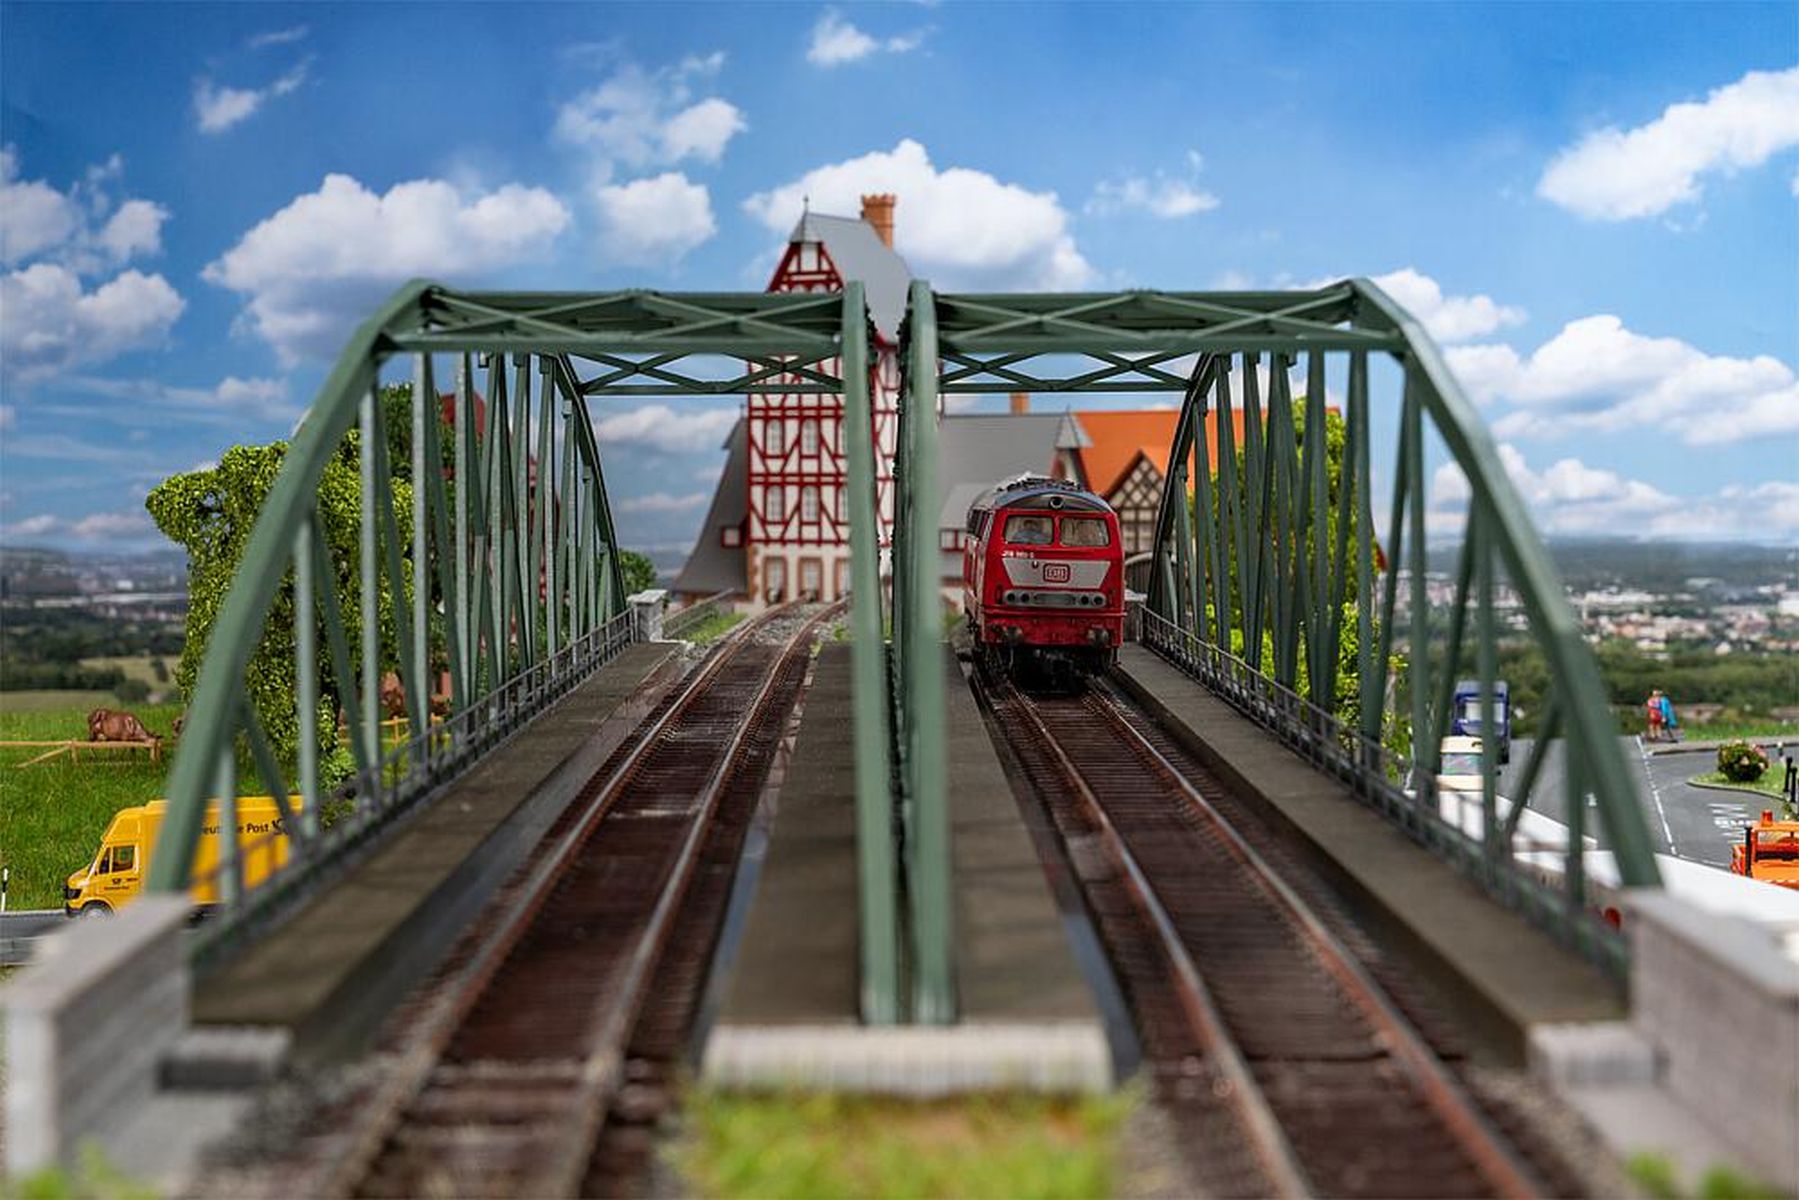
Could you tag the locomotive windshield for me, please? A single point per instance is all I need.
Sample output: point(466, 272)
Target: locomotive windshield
point(1085, 531)
point(1026, 530)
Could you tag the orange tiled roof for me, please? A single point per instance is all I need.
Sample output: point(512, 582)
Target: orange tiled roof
point(1118, 436)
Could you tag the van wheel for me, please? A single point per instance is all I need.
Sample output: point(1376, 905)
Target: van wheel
point(98, 908)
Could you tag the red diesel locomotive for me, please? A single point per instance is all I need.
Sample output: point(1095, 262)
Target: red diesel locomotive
point(1043, 576)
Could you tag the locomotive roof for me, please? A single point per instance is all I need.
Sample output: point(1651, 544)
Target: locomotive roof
point(1039, 491)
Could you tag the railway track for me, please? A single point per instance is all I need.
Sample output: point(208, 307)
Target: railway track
point(523, 1058)
point(1293, 1071)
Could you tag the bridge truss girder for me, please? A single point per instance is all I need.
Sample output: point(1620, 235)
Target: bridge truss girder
point(513, 648)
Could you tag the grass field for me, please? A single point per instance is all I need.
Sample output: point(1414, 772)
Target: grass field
point(52, 814)
point(1767, 785)
point(825, 1146)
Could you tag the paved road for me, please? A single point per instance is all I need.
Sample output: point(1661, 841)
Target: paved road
point(1699, 824)
point(20, 928)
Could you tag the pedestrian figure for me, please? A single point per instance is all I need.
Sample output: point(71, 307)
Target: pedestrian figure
point(1652, 712)
point(1670, 723)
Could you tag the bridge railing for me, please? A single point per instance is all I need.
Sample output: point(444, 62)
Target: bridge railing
point(381, 564)
point(1271, 580)
point(444, 751)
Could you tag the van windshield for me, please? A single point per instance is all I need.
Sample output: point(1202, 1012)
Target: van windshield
point(1461, 762)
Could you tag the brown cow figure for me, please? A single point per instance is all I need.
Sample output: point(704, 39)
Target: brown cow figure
point(393, 696)
point(111, 725)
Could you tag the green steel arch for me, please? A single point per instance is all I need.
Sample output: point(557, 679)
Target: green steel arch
point(1256, 582)
point(511, 585)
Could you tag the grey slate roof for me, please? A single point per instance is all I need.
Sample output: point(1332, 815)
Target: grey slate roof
point(713, 567)
point(860, 254)
point(978, 450)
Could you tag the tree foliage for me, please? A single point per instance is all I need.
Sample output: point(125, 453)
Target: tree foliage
point(211, 514)
point(640, 572)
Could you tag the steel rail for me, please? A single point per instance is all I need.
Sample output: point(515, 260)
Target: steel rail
point(1269, 1143)
point(440, 1020)
point(1496, 1161)
point(566, 1164)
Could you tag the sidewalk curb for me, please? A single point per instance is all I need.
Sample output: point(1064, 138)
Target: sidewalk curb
point(1736, 790)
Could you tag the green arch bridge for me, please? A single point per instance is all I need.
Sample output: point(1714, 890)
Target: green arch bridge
point(1258, 586)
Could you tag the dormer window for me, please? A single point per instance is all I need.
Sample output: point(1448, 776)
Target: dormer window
point(730, 536)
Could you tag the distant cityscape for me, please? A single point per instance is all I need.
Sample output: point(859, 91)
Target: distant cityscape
point(1660, 598)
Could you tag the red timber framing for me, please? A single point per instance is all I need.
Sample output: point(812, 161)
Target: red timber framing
point(796, 451)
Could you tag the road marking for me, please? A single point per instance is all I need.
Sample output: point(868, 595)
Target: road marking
point(1655, 794)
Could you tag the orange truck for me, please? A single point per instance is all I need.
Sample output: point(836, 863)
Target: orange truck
point(1769, 851)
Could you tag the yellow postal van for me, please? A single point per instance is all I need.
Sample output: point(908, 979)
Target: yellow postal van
point(117, 873)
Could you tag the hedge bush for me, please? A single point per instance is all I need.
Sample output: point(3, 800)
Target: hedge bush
point(1742, 762)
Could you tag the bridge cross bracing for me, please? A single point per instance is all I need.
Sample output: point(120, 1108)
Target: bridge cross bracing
point(510, 590)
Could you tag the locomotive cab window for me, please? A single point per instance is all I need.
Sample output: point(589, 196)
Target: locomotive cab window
point(1025, 530)
point(1085, 531)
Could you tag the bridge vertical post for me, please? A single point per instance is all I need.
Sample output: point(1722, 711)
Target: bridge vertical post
point(424, 406)
point(307, 682)
point(922, 715)
point(369, 572)
point(875, 859)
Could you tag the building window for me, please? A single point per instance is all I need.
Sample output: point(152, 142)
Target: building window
point(808, 504)
point(808, 437)
point(949, 539)
point(773, 438)
point(774, 508)
point(811, 577)
point(730, 535)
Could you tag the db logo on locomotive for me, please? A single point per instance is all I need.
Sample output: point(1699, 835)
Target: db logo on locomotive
point(1055, 572)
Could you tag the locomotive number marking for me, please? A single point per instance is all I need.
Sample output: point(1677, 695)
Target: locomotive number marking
point(1055, 572)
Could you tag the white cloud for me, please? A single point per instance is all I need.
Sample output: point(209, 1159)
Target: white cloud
point(34, 216)
point(113, 526)
point(9, 417)
point(219, 108)
point(277, 37)
point(663, 502)
point(51, 321)
point(1161, 196)
point(647, 119)
point(835, 42)
point(1615, 175)
point(1597, 375)
point(131, 526)
point(29, 527)
point(73, 227)
point(314, 269)
point(1446, 318)
point(136, 228)
point(227, 402)
point(958, 227)
point(1572, 498)
point(652, 221)
point(664, 429)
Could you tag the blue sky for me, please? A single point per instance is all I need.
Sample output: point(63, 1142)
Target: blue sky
point(1596, 208)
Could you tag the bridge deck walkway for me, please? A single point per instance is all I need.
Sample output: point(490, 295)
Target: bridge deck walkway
point(1502, 974)
point(796, 964)
point(331, 972)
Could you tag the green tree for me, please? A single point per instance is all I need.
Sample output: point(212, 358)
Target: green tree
point(210, 513)
point(640, 572)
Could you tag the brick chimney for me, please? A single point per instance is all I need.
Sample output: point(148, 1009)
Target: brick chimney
point(877, 210)
point(1021, 403)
